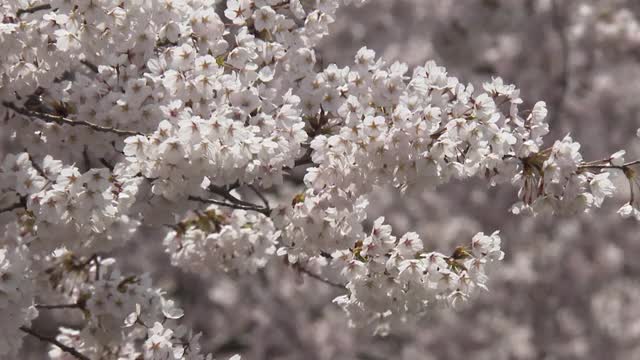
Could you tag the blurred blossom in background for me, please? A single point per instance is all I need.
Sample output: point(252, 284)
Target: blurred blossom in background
point(569, 287)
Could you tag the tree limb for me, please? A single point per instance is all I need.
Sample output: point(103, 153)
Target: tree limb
point(59, 306)
point(33, 9)
point(55, 342)
point(18, 205)
point(49, 118)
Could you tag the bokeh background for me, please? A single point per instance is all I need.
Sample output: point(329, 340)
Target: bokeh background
point(569, 288)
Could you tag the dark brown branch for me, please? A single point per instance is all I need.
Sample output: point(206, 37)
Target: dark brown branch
point(33, 9)
point(91, 66)
point(18, 205)
point(106, 164)
point(39, 169)
point(226, 194)
point(97, 262)
point(65, 348)
point(65, 121)
point(261, 196)
point(280, 5)
point(59, 306)
point(92, 258)
point(85, 158)
point(250, 207)
point(318, 277)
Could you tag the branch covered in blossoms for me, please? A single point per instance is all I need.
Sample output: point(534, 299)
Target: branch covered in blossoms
point(55, 342)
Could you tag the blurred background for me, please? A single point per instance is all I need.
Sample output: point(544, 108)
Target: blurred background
point(569, 288)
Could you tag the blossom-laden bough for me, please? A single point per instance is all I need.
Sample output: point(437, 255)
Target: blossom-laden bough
point(174, 114)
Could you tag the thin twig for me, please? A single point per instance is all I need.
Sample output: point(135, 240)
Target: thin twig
point(65, 121)
point(59, 306)
point(619, 167)
point(226, 194)
point(97, 262)
point(85, 157)
point(38, 168)
point(55, 342)
point(261, 196)
point(255, 208)
point(318, 277)
point(93, 257)
point(91, 66)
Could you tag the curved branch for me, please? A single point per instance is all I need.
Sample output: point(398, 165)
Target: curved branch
point(55, 342)
point(226, 194)
point(318, 277)
point(18, 205)
point(49, 118)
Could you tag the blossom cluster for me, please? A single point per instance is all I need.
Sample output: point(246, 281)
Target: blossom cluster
point(61, 204)
point(220, 239)
point(16, 297)
point(125, 316)
point(388, 276)
point(608, 23)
